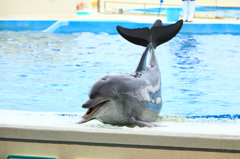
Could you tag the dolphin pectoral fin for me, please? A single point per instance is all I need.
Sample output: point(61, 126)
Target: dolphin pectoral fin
point(81, 121)
point(156, 125)
point(140, 36)
point(140, 123)
point(161, 34)
point(84, 120)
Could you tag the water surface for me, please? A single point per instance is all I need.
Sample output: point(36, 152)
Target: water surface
point(53, 72)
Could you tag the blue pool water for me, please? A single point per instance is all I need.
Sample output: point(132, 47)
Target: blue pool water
point(53, 72)
point(198, 9)
point(219, 11)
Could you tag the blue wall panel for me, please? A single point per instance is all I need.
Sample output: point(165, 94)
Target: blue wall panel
point(20, 25)
point(110, 26)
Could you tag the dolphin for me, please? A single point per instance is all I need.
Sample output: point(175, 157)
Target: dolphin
point(132, 99)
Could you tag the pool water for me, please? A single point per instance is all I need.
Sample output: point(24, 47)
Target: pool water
point(53, 72)
point(219, 11)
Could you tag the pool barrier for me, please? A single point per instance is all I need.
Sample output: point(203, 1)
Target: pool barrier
point(76, 142)
point(72, 26)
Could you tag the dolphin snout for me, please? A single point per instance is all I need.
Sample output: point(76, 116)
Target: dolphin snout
point(93, 102)
point(93, 105)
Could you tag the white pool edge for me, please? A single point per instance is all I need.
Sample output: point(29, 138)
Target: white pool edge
point(45, 137)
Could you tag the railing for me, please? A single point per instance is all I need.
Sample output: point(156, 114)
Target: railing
point(130, 3)
point(134, 3)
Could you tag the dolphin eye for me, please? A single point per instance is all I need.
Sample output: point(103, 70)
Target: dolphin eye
point(104, 79)
point(114, 89)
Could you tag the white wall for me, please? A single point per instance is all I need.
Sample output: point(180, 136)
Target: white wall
point(37, 7)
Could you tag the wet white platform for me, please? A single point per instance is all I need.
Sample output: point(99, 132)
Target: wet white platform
point(51, 131)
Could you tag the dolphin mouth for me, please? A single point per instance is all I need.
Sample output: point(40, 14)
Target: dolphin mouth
point(92, 110)
point(94, 107)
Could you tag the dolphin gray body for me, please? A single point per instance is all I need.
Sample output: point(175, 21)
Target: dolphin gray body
point(132, 99)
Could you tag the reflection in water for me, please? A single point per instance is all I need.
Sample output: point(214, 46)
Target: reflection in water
point(186, 62)
point(199, 75)
point(185, 52)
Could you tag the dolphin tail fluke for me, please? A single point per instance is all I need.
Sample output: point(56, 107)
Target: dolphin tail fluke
point(138, 36)
point(161, 34)
point(158, 34)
